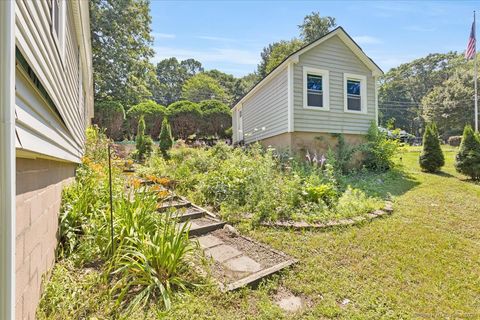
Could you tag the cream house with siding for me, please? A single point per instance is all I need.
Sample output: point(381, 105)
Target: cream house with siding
point(328, 86)
point(46, 102)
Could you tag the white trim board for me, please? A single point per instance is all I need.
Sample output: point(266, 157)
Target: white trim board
point(325, 74)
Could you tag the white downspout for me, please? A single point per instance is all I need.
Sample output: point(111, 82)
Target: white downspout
point(7, 160)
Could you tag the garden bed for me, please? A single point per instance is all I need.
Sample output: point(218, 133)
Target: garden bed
point(331, 224)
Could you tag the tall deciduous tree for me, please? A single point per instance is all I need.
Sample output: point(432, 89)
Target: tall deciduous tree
point(203, 87)
point(315, 26)
point(450, 104)
point(121, 47)
point(403, 88)
point(171, 75)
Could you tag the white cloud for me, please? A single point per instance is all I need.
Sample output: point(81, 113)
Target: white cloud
point(366, 40)
point(221, 39)
point(234, 56)
point(419, 28)
point(159, 35)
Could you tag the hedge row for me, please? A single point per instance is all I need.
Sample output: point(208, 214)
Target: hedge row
point(205, 119)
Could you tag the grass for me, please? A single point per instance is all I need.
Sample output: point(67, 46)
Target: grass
point(421, 262)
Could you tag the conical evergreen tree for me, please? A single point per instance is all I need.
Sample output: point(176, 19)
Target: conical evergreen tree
point(143, 143)
point(431, 158)
point(165, 138)
point(467, 161)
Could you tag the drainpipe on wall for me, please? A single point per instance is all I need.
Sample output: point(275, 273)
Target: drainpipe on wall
point(7, 160)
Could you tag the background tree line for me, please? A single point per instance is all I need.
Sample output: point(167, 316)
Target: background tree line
point(436, 88)
point(196, 101)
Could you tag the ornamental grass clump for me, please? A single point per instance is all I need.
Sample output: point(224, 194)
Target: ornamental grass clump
point(431, 159)
point(149, 266)
point(467, 161)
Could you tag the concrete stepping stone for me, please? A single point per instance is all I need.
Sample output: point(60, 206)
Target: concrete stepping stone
point(290, 303)
point(209, 241)
point(243, 264)
point(222, 253)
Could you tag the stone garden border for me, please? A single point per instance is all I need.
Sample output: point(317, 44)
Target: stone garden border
point(303, 225)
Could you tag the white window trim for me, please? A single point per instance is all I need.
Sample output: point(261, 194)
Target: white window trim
point(363, 92)
point(59, 38)
point(325, 74)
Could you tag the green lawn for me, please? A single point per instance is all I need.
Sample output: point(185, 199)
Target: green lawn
point(421, 262)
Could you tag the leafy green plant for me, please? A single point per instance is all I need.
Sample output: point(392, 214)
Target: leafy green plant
point(379, 150)
point(343, 154)
point(152, 264)
point(467, 161)
point(165, 139)
point(431, 159)
point(324, 192)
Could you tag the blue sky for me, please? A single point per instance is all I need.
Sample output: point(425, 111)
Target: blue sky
point(229, 35)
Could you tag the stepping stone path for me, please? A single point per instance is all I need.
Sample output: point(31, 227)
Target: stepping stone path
point(237, 261)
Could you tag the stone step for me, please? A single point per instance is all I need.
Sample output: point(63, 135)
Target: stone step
point(190, 214)
point(173, 203)
point(203, 225)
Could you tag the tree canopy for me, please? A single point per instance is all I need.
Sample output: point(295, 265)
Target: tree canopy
point(203, 87)
point(122, 49)
point(172, 75)
point(403, 88)
point(315, 26)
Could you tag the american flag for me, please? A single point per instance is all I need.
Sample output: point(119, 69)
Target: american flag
point(470, 52)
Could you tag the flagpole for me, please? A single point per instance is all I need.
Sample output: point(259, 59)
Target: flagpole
point(475, 72)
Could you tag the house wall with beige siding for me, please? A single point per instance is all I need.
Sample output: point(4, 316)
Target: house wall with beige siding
point(332, 55)
point(39, 186)
point(265, 114)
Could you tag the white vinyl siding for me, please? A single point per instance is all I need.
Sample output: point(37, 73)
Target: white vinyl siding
point(58, 74)
point(332, 55)
point(265, 114)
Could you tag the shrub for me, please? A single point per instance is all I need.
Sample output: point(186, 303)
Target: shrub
point(467, 161)
point(454, 141)
point(110, 115)
point(431, 159)
point(185, 119)
point(144, 143)
point(165, 139)
point(343, 154)
point(217, 117)
point(379, 150)
point(324, 192)
point(153, 114)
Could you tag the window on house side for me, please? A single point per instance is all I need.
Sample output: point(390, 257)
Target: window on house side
point(314, 90)
point(354, 97)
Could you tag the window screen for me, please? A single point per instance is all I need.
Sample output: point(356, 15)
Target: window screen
point(314, 91)
point(353, 95)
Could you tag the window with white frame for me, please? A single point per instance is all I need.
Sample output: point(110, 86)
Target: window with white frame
point(315, 91)
point(355, 94)
point(58, 24)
